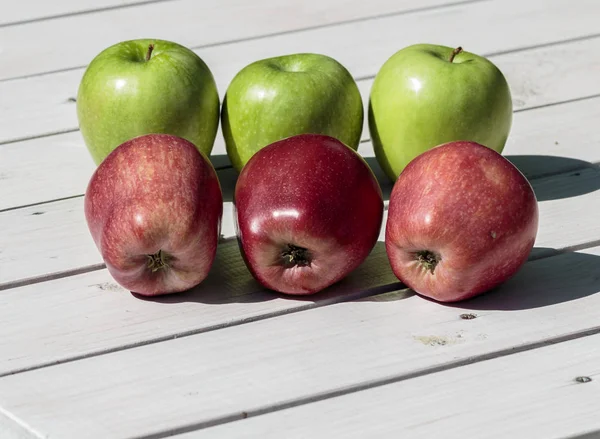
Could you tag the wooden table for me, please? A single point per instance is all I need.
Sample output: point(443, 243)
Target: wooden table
point(82, 358)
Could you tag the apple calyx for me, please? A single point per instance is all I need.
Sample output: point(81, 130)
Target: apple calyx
point(158, 261)
point(454, 53)
point(427, 259)
point(149, 53)
point(292, 256)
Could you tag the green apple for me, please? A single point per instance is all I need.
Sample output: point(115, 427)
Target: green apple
point(280, 97)
point(147, 86)
point(426, 95)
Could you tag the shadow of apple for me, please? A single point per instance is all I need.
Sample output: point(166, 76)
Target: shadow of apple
point(220, 161)
point(552, 177)
point(543, 282)
point(229, 281)
point(228, 178)
point(384, 181)
point(538, 166)
point(567, 185)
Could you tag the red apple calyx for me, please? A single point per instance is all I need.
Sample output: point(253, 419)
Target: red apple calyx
point(308, 211)
point(154, 208)
point(428, 260)
point(293, 255)
point(462, 219)
point(158, 261)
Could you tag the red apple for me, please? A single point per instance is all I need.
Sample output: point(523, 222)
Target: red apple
point(308, 211)
point(462, 219)
point(154, 209)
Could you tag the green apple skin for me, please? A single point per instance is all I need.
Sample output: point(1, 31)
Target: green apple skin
point(122, 95)
point(280, 97)
point(419, 99)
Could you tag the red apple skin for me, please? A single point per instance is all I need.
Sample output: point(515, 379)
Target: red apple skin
point(469, 206)
point(155, 192)
point(313, 192)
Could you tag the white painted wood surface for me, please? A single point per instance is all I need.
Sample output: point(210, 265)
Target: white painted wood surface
point(53, 237)
point(217, 376)
point(561, 68)
point(32, 250)
point(56, 167)
point(33, 10)
point(560, 229)
point(80, 357)
point(191, 23)
point(104, 317)
point(532, 395)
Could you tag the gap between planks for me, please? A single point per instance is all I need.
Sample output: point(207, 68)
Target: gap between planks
point(254, 37)
point(517, 50)
point(82, 12)
point(70, 197)
point(367, 140)
point(370, 77)
point(99, 266)
point(367, 292)
point(545, 331)
point(373, 384)
point(518, 389)
point(361, 294)
point(95, 266)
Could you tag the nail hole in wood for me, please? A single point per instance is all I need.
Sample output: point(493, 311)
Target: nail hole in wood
point(468, 316)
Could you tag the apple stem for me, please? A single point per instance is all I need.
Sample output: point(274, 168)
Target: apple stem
point(428, 260)
point(149, 53)
point(293, 255)
point(455, 52)
point(158, 261)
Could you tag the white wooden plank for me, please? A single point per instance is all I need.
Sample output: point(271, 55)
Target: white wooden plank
point(51, 168)
point(530, 395)
point(543, 141)
point(13, 428)
point(218, 376)
point(53, 237)
point(565, 201)
point(39, 241)
point(59, 166)
point(364, 46)
point(193, 24)
point(98, 316)
point(29, 10)
point(35, 251)
point(40, 105)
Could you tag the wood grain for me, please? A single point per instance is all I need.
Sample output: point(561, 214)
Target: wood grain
point(32, 250)
point(13, 428)
point(98, 316)
point(531, 395)
point(81, 357)
point(190, 23)
point(41, 105)
point(59, 166)
point(32, 10)
point(53, 237)
point(217, 376)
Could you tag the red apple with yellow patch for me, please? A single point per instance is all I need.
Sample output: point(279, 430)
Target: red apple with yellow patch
point(462, 219)
point(154, 209)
